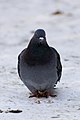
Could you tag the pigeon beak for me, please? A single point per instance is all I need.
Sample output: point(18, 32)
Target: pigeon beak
point(41, 39)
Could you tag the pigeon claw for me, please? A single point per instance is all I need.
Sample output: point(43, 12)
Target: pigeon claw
point(40, 94)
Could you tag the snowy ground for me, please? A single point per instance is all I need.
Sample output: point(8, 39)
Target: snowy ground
point(18, 19)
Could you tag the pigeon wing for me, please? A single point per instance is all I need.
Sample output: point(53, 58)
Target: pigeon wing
point(19, 65)
point(59, 66)
point(19, 56)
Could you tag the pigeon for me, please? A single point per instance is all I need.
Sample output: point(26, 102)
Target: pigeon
point(39, 66)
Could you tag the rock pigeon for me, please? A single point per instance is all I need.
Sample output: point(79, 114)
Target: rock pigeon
point(39, 66)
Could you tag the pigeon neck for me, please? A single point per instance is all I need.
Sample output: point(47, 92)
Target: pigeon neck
point(38, 57)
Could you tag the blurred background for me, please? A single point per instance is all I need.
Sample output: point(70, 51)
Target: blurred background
point(18, 21)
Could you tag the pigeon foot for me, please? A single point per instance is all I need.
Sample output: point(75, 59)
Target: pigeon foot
point(40, 94)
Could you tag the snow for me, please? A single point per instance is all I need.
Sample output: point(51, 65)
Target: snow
point(18, 19)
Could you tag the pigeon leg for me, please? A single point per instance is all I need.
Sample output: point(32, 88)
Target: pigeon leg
point(36, 94)
point(40, 94)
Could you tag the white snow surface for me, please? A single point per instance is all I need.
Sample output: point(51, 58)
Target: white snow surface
point(18, 20)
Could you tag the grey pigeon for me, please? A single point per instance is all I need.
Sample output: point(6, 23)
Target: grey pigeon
point(39, 66)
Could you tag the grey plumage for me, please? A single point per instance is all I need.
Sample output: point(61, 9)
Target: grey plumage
point(39, 65)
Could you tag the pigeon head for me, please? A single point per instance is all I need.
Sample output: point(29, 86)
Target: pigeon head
point(38, 39)
point(40, 33)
